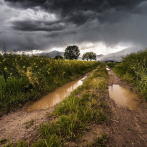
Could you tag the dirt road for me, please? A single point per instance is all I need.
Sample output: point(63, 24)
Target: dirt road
point(128, 128)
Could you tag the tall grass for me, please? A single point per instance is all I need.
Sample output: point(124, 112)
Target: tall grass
point(133, 69)
point(24, 78)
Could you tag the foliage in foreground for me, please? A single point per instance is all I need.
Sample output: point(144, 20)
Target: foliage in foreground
point(133, 69)
point(24, 78)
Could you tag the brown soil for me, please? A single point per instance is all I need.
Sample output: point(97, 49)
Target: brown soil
point(126, 128)
point(16, 125)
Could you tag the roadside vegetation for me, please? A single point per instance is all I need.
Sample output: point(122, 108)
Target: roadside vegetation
point(26, 78)
point(86, 105)
point(133, 69)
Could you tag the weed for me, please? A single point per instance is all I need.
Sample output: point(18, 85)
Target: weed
point(32, 122)
point(99, 141)
point(51, 141)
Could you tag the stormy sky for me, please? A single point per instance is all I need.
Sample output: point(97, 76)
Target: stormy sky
point(102, 26)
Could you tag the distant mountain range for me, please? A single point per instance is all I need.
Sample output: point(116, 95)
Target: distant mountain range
point(53, 53)
point(117, 57)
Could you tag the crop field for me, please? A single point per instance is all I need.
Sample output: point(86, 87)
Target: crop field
point(133, 69)
point(26, 78)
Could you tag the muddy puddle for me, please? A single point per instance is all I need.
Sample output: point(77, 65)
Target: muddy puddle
point(56, 96)
point(123, 97)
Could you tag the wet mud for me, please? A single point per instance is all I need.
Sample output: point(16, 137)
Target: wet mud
point(128, 125)
point(124, 97)
point(56, 96)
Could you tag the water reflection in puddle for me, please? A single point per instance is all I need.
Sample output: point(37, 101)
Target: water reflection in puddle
point(123, 97)
point(107, 68)
point(56, 96)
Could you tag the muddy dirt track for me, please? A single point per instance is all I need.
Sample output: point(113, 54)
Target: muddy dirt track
point(127, 128)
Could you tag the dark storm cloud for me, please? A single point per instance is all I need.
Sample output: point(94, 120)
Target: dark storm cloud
point(77, 12)
point(26, 3)
point(73, 22)
point(36, 26)
point(67, 6)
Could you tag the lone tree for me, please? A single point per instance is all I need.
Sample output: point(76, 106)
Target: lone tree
point(72, 52)
point(89, 56)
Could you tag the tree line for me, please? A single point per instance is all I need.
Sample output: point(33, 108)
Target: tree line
point(73, 52)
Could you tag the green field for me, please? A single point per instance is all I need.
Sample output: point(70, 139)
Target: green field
point(26, 78)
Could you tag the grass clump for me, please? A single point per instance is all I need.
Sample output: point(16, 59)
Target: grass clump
point(99, 141)
point(32, 122)
point(67, 127)
point(51, 141)
point(29, 124)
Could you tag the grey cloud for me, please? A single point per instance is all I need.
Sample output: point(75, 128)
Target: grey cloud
point(26, 3)
point(108, 21)
point(76, 11)
point(36, 26)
